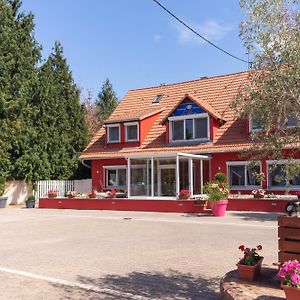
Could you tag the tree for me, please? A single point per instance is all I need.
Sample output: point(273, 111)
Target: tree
point(107, 101)
point(271, 33)
point(91, 118)
point(60, 118)
point(19, 55)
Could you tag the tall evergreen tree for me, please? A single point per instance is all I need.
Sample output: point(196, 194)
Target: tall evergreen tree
point(19, 55)
point(60, 119)
point(107, 101)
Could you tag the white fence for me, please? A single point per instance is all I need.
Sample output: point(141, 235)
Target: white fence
point(63, 186)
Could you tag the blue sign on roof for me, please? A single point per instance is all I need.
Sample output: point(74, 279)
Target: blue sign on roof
point(187, 108)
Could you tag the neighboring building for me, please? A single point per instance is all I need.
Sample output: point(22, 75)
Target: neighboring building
point(162, 139)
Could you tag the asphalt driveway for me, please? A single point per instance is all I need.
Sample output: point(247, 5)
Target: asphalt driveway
point(70, 254)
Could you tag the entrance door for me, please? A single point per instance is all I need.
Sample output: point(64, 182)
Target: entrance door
point(167, 181)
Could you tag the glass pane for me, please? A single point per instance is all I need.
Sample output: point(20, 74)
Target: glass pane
point(183, 174)
point(277, 176)
point(113, 134)
point(189, 129)
point(131, 132)
point(177, 128)
point(256, 124)
point(196, 177)
point(111, 177)
point(140, 177)
point(122, 177)
point(237, 175)
point(201, 128)
point(251, 180)
point(292, 122)
point(168, 182)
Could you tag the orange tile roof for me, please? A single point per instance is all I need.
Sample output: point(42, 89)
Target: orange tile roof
point(133, 115)
point(213, 93)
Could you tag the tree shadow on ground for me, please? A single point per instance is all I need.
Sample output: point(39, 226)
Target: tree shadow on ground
point(150, 285)
point(252, 216)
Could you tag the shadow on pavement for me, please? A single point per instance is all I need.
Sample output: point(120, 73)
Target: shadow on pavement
point(153, 285)
point(252, 216)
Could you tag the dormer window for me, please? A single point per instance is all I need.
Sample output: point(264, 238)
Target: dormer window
point(255, 124)
point(157, 98)
point(113, 133)
point(131, 131)
point(190, 127)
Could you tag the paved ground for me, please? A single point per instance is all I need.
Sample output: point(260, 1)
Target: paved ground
point(69, 254)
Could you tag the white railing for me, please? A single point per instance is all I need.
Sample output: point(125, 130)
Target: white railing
point(63, 186)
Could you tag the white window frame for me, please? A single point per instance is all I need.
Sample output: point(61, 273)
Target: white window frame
point(119, 167)
point(250, 126)
point(108, 137)
point(280, 162)
point(244, 163)
point(137, 128)
point(186, 117)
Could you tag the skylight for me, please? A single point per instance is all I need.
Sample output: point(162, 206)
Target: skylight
point(157, 98)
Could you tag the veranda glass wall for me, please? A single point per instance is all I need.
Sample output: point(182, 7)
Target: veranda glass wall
point(164, 176)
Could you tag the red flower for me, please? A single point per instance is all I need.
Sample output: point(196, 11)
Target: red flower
point(242, 247)
point(259, 247)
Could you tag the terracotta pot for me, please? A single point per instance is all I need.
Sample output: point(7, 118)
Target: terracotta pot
point(184, 197)
point(219, 208)
point(291, 293)
point(249, 273)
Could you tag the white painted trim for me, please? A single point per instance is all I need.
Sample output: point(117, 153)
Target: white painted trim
point(186, 117)
point(128, 178)
point(116, 168)
point(241, 163)
point(152, 177)
point(191, 179)
point(201, 175)
point(193, 116)
point(137, 128)
point(282, 161)
point(167, 155)
point(177, 175)
point(108, 137)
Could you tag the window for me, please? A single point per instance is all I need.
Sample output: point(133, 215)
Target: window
point(131, 132)
point(291, 122)
point(241, 175)
point(191, 127)
point(116, 176)
point(282, 174)
point(255, 124)
point(113, 132)
point(157, 98)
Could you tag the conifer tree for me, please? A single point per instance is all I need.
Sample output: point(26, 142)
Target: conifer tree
point(59, 119)
point(107, 101)
point(19, 55)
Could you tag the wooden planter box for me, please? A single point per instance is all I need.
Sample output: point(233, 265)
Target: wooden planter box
point(289, 238)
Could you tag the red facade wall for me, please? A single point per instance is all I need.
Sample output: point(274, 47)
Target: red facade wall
point(98, 177)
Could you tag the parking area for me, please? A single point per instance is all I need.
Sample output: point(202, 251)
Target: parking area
point(71, 254)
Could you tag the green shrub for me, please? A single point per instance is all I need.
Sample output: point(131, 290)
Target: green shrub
point(221, 177)
point(2, 185)
point(31, 197)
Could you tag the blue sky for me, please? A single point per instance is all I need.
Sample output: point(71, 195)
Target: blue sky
point(135, 43)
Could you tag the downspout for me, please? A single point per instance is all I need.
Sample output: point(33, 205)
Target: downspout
point(82, 161)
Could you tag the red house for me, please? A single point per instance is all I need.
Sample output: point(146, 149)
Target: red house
point(162, 139)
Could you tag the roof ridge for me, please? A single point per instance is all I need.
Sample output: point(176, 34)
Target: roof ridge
point(187, 81)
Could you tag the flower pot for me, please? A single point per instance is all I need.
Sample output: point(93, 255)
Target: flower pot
point(3, 201)
point(219, 208)
point(249, 273)
point(291, 293)
point(30, 203)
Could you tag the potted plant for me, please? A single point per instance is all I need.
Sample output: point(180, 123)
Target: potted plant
point(258, 193)
point(92, 194)
point(249, 266)
point(289, 273)
point(260, 177)
point(111, 194)
point(71, 194)
point(52, 193)
point(3, 200)
point(296, 193)
point(218, 191)
point(184, 195)
point(30, 202)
